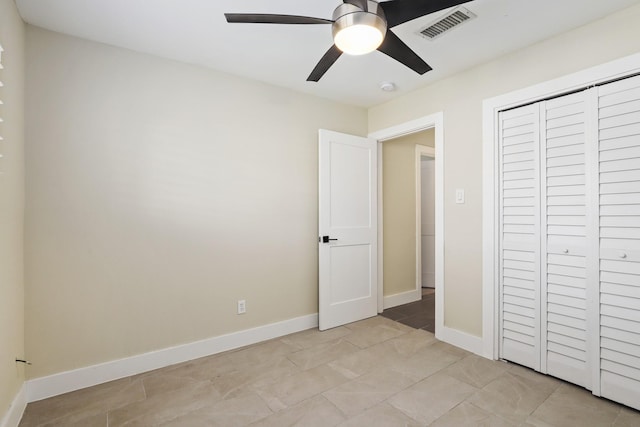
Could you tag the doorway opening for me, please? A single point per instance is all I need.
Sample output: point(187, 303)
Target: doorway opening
point(404, 285)
point(409, 228)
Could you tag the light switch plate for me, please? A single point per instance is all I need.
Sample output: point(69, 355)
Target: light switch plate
point(460, 195)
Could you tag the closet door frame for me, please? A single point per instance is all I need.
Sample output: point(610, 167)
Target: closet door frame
point(620, 68)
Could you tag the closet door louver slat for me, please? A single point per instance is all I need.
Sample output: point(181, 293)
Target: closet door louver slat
point(619, 167)
point(520, 236)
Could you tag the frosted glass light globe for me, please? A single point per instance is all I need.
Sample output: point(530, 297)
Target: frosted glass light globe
point(356, 31)
point(358, 39)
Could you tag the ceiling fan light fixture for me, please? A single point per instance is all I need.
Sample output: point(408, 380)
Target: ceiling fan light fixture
point(357, 32)
point(359, 27)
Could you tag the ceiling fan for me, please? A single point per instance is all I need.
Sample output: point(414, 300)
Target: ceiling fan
point(359, 27)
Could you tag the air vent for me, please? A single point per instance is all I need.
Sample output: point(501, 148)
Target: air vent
point(451, 20)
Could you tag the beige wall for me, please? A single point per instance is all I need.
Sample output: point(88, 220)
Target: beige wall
point(460, 98)
point(399, 210)
point(158, 194)
point(11, 204)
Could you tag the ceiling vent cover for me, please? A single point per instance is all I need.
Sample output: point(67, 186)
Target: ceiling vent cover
point(451, 20)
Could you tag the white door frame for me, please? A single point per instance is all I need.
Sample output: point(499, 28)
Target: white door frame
point(434, 121)
point(491, 107)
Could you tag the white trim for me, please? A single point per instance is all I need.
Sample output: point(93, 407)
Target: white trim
point(490, 227)
point(413, 126)
point(16, 409)
point(461, 339)
point(421, 150)
point(64, 382)
point(435, 121)
point(395, 300)
point(380, 234)
point(598, 74)
point(439, 183)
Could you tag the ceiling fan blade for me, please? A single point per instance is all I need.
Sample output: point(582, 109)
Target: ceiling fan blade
point(398, 50)
point(266, 18)
point(325, 63)
point(401, 11)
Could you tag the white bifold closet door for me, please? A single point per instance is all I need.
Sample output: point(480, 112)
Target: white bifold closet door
point(619, 170)
point(544, 238)
point(520, 236)
point(566, 234)
point(570, 238)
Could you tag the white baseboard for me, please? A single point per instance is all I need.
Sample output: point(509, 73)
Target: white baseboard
point(461, 339)
point(14, 414)
point(401, 298)
point(64, 382)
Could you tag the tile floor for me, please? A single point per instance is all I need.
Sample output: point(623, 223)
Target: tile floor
point(420, 314)
point(376, 372)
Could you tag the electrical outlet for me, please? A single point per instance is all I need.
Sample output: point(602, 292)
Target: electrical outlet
point(460, 195)
point(242, 306)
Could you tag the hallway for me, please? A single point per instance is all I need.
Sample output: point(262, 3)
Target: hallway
point(419, 314)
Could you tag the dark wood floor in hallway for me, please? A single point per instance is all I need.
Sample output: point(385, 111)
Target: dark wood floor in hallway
point(419, 314)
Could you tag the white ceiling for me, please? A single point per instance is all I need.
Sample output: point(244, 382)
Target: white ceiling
point(195, 31)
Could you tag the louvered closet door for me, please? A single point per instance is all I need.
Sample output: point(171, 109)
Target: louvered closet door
point(564, 245)
point(520, 236)
point(619, 157)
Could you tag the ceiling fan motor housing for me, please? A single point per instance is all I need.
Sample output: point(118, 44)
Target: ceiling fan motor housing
point(348, 15)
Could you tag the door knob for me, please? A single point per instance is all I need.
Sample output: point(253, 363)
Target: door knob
point(326, 239)
point(566, 251)
point(622, 254)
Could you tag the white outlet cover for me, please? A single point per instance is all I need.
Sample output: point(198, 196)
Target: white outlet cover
point(460, 195)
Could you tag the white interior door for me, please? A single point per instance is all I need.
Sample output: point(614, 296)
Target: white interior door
point(348, 229)
point(619, 171)
point(566, 236)
point(520, 236)
point(428, 222)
